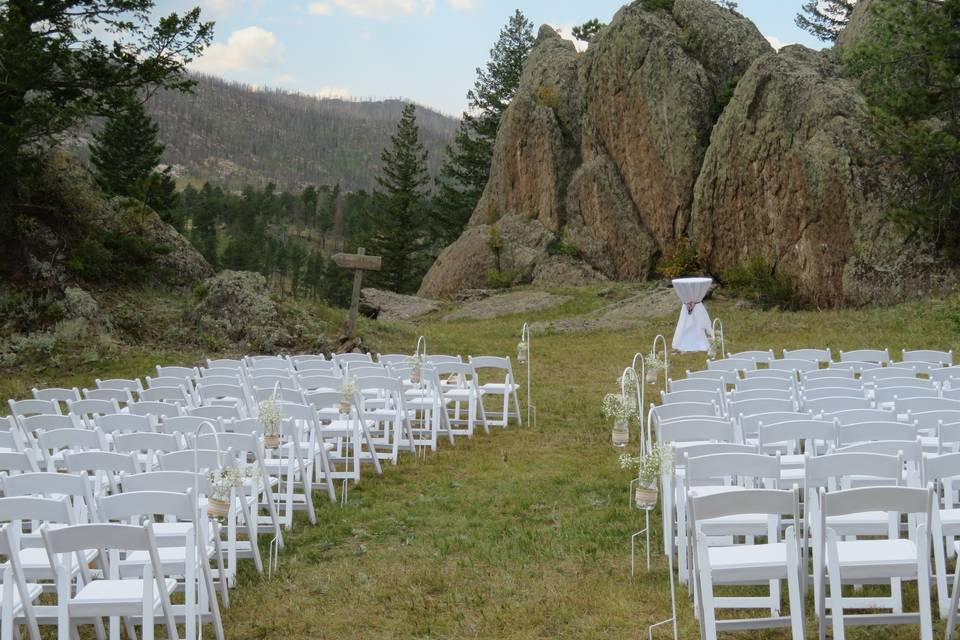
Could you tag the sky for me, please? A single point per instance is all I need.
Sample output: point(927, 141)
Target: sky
point(426, 51)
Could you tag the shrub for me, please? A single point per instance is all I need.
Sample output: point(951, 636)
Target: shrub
point(680, 260)
point(497, 279)
point(560, 248)
point(760, 283)
point(653, 5)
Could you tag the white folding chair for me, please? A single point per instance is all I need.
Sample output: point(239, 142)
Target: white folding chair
point(760, 564)
point(139, 598)
point(793, 364)
point(732, 364)
point(871, 561)
point(821, 356)
point(876, 356)
point(17, 595)
point(504, 387)
point(833, 404)
point(756, 356)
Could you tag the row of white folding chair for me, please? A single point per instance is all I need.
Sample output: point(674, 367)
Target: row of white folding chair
point(64, 499)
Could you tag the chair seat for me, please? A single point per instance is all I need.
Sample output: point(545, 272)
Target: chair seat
point(462, 395)
point(114, 597)
point(33, 591)
point(865, 559)
point(36, 562)
point(174, 532)
point(748, 563)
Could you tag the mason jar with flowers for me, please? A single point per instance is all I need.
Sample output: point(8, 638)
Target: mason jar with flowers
point(223, 480)
point(650, 467)
point(621, 409)
point(348, 391)
point(652, 364)
point(270, 416)
point(416, 372)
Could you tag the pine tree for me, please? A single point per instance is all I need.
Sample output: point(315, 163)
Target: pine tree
point(588, 30)
point(825, 19)
point(398, 230)
point(467, 168)
point(125, 152)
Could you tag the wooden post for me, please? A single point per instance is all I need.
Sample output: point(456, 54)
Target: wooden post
point(359, 262)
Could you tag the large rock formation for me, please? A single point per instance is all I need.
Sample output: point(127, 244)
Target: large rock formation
point(686, 124)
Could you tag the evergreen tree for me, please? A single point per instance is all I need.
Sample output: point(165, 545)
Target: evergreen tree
point(467, 168)
point(309, 197)
point(125, 151)
point(909, 68)
point(825, 19)
point(398, 232)
point(588, 30)
point(204, 223)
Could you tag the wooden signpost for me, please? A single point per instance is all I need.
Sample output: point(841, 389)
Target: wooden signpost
point(359, 262)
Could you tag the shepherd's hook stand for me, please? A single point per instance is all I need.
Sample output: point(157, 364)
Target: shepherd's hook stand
point(524, 357)
point(673, 590)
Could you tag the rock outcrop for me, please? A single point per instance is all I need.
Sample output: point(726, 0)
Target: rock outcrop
point(387, 305)
point(686, 124)
point(236, 306)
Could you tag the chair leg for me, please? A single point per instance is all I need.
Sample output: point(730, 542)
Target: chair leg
point(940, 569)
point(793, 586)
point(836, 587)
point(212, 600)
point(923, 584)
point(708, 618)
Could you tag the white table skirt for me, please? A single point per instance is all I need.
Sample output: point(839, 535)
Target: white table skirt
point(694, 328)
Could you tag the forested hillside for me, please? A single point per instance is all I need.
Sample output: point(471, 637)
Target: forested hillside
point(234, 135)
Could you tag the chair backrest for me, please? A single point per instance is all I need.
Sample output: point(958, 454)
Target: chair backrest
point(168, 381)
point(33, 407)
point(811, 432)
point(834, 470)
point(155, 409)
point(216, 412)
point(232, 378)
point(945, 373)
point(774, 502)
point(834, 383)
point(226, 363)
point(902, 500)
point(307, 357)
point(55, 485)
point(364, 370)
point(938, 467)
point(759, 405)
point(695, 384)
point(123, 384)
point(747, 468)
point(87, 410)
point(766, 374)
point(320, 382)
point(879, 356)
point(696, 430)
point(136, 506)
point(853, 416)
point(836, 403)
point(948, 437)
point(146, 442)
point(829, 372)
point(125, 423)
point(870, 431)
point(261, 394)
point(732, 364)
point(725, 377)
point(351, 358)
point(918, 404)
point(440, 359)
point(817, 355)
point(778, 384)
point(268, 362)
point(910, 450)
point(186, 424)
point(853, 366)
point(116, 395)
point(319, 366)
point(169, 395)
point(57, 394)
point(916, 383)
point(943, 358)
point(756, 394)
point(29, 507)
point(793, 364)
point(892, 394)
point(320, 400)
point(178, 372)
point(832, 392)
point(115, 463)
point(929, 420)
point(695, 450)
point(880, 373)
point(677, 410)
point(392, 358)
point(73, 440)
point(181, 481)
point(264, 380)
point(46, 422)
point(756, 356)
point(750, 424)
point(692, 396)
point(193, 460)
point(492, 362)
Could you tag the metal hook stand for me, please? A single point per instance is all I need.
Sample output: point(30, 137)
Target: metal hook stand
point(524, 357)
point(666, 357)
point(641, 392)
point(673, 603)
point(421, 349)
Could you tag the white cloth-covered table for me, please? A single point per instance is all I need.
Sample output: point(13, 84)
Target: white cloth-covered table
point(693, 328)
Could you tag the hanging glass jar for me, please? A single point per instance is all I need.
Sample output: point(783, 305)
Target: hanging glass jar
point(621, 433)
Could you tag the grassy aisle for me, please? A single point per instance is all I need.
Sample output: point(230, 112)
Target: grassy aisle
point(519, 534)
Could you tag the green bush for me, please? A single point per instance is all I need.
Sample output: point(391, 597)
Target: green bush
point(497, 279)
point(760, 283)
point(680, 260)
point(560, 248)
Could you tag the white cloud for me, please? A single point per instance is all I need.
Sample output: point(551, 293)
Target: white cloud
point(318, 9)
point(385, 9)
point(566, 32)
point(286, 79)
point(463, 5)
point(776, 42)
point(338, 93)
point(248, 49)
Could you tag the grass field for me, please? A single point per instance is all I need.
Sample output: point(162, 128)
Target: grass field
point(523, 533)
